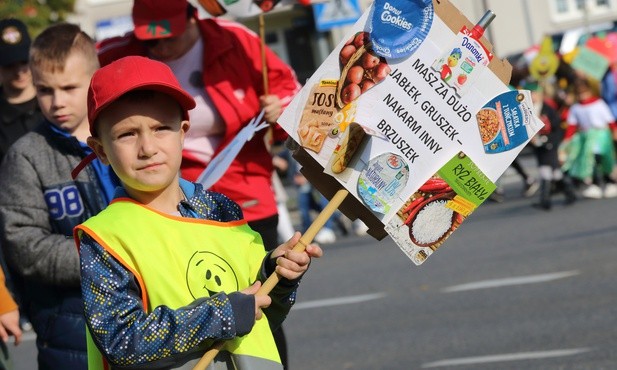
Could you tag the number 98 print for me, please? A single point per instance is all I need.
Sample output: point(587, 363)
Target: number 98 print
point(64, 202)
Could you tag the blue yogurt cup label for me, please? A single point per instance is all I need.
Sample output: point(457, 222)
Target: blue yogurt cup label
point(397, 28)
point(381, 182)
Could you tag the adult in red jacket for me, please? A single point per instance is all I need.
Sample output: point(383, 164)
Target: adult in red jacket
point(219, 63)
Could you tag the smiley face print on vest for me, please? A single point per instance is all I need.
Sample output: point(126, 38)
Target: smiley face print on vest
point(208, 274)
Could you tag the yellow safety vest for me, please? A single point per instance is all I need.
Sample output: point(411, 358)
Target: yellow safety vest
point(182, 259)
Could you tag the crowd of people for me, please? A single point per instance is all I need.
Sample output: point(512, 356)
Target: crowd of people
point(96, 144)
point(574, 152)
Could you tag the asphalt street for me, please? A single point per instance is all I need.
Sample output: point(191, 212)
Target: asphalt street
point(513, 288)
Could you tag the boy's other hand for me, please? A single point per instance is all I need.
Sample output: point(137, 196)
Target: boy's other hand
point(272, 106)
point(9, 325)
point(291, 264)
point(261, 301)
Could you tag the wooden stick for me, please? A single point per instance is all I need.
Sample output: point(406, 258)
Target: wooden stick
point(264, 67)
point(271, 282)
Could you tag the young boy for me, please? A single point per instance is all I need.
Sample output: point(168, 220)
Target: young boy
point(40, 204)
point(168, 268)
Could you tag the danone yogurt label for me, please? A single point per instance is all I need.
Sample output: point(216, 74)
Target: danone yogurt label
point(507, 121)
point(382, 180)
point(463, 62)
point(397, 28)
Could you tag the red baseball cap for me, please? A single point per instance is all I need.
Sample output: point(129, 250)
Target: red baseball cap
point(127, 74)
point(158, 19)
point(133, 73)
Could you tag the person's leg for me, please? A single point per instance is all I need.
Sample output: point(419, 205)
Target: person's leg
point(326, 235)
point(546, 179)
point(304, 206)
point(285, 228)
point(567, 185)
point(519, 169)
point(594, 191)
point(530, 185)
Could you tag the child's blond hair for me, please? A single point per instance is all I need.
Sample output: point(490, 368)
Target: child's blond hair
point(53, 46)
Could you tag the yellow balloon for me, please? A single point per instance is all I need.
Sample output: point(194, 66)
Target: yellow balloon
point(545, 64)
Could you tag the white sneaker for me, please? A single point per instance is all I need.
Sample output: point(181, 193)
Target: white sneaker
point(359, 227)
point(592, 191)
point(610, 191)
point(325, 236)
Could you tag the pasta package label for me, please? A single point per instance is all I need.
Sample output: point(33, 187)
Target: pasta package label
point(438, 207)
point(507, 121)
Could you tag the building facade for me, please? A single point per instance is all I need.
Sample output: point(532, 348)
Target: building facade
point(520, 24)
point(292, 33)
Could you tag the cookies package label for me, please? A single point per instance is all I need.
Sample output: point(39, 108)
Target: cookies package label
point(397, 28)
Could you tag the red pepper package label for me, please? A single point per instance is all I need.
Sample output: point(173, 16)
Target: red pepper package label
point(438, 207)
point(507, 121)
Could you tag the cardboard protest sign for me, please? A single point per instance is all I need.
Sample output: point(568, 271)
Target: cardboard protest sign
point(415, 119)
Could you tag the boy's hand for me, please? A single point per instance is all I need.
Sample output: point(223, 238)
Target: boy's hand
point(272, 106)
point(9, 324)
point(261, 301)
point(290, 264)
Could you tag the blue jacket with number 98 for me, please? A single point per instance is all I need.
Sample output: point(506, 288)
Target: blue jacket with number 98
point(39, 206)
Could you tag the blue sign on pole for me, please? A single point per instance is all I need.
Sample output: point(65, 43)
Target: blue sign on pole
point(336, 13)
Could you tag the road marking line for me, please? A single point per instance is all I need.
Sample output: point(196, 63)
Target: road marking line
point(533, 279)
point(507, 357)
point(338, 301)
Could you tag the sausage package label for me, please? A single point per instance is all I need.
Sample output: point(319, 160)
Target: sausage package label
point(507, 121)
